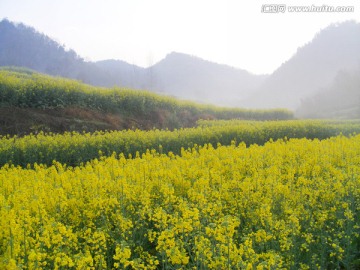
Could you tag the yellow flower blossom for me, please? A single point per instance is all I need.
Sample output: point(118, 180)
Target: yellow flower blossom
point(289, 204)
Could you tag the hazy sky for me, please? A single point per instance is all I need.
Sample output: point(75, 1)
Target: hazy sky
point(142, 32)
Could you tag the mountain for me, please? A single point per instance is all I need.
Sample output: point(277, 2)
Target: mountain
point(187, 77)
point(191, 77)
point(23, 46)
point(124, 74)
point(340, 100)
point(179, 75)
point(314, 66)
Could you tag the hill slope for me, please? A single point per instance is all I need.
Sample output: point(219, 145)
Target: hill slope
point(124, 74)
point(32, 102)
point(190, 77)
point(187, 77)
point(23, 46)
point(178, 74)
point(314, 65)
point(340, 100)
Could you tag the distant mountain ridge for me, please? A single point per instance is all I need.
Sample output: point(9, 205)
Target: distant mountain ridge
point(123, 73)
point(23, 46)
point(313, 67)
point(340, 100)
point(188, 77)
point(178, 74)
point(203, 80)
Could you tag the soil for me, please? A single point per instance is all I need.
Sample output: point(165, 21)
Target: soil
point(22, 121)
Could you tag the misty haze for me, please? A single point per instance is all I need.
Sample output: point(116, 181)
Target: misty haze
point(297, 84)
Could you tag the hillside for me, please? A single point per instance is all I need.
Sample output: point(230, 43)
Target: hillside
point(125, 74)
point(313, 66)
point(34, 102)
point(187, 77)
point(190, 77)
point(23, 46)
point(178, 74)
point(340, 100)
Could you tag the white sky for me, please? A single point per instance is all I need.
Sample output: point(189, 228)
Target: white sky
point(142, 32)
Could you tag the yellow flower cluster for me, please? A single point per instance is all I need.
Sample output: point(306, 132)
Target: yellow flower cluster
point(28, 89)
point(73, 148)
point(289, 204)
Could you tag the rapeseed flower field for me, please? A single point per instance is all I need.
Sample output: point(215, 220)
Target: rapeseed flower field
point(288, 204)
point(73, 148)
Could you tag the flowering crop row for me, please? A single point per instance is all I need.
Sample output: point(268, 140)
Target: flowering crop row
point(28, 89)
point(289, 204)
point(74, 148)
